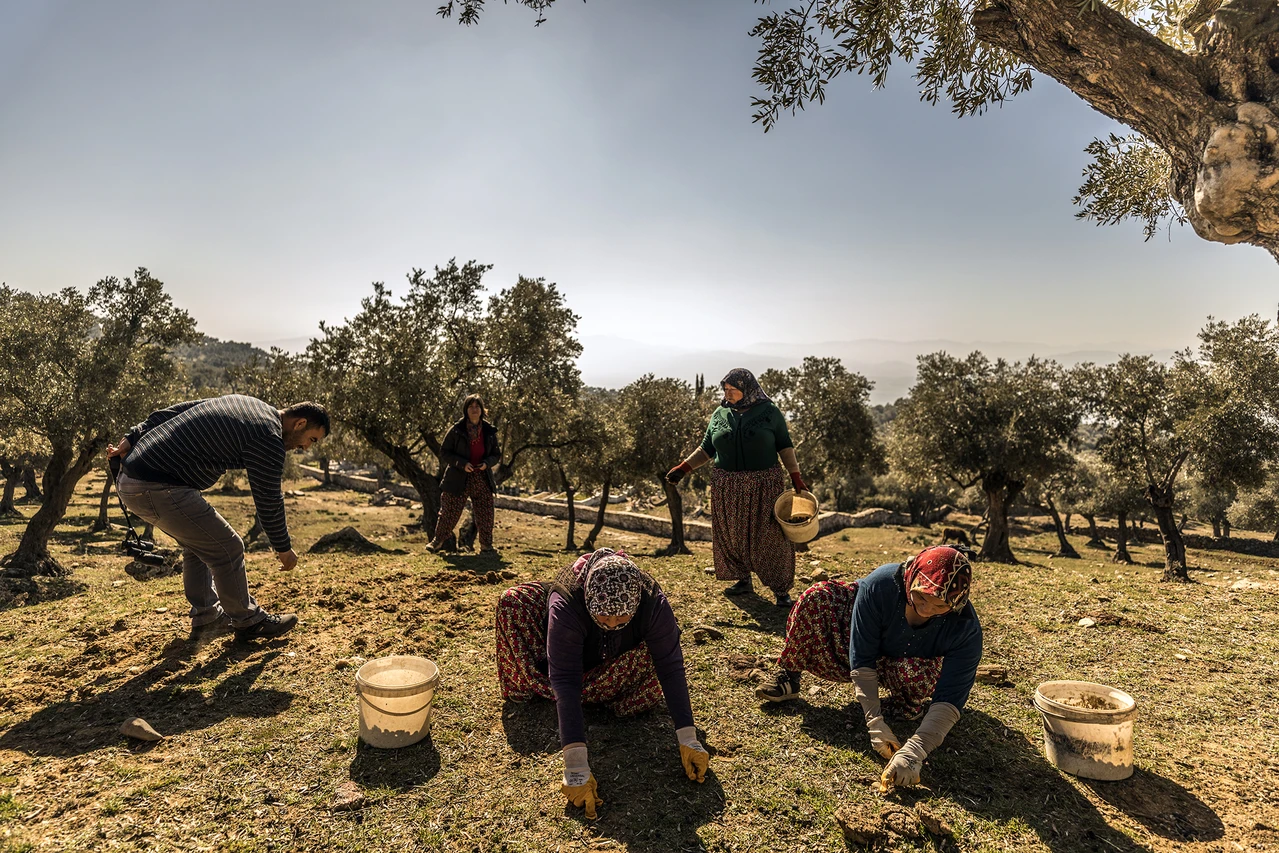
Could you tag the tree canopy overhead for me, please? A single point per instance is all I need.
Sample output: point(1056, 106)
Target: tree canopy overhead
point(1194, 80)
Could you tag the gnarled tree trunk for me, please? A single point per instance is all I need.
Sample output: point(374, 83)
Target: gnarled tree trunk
point(31, 485)
point(1160, 498)
point(66, 468)
point(103, 521)
point(1000, 494)
point(1064, 548)
point(1121, 540)
point(589, 544)
point(12, 474)
point(1094, 537)
point(675, 504)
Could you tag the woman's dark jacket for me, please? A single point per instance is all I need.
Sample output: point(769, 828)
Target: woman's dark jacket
point(455, 455)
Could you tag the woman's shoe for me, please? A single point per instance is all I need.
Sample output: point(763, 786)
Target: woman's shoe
point(784, 600)
point(742, 587)
point(434, 547)
point(785, 687)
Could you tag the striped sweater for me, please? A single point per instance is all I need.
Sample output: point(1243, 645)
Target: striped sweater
point(194, 443)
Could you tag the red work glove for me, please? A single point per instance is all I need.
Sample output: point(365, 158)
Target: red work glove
point(677, 473)
point(798, 481)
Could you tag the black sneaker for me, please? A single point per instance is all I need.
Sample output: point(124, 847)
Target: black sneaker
point(784, 600)
point(274, 625)
point(784, 688)
point(742, 587)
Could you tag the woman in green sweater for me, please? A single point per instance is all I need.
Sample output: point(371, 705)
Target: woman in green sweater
point(745, 437)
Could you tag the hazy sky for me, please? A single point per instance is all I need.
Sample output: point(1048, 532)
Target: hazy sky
point(269, 160)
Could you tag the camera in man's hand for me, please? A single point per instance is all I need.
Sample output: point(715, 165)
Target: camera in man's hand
point(141, 550)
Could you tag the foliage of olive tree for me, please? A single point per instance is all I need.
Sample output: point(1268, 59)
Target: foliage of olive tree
point(1258, 509)
point(78, 369)
point(1194, 79)
point(662, 422)
point(990, 424)
point(828, 414)
point(1212, 408)
point(396, 373)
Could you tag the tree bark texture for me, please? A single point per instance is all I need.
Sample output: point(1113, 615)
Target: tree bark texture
point(1094, 537)
point(66, 468)
point(675, 504)
point(589, 544)
point(1064, 548)
point(1121, 540)
point(1210, 110)
point(31, 485)
point(1174, 545)
point(103, 521)
point(11, 477)
point(1000, 494)
point(570, 496)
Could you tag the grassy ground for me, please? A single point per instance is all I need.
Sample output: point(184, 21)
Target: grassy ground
point(261, 736)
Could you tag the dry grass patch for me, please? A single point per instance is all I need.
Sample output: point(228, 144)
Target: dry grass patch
point(261, 736)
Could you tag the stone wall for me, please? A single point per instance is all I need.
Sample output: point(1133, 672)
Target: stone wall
point(694, 531)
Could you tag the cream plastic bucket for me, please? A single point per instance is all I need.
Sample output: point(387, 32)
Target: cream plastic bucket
point(796, 512)
point(395, 700)
point(1087, 728)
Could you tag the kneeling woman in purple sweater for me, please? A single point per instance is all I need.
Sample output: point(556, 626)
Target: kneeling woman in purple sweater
point(602, 632)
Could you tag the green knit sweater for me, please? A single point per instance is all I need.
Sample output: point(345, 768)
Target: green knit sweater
point(749, 441)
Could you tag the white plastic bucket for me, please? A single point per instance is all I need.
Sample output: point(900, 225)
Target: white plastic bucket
point(797, 512)
point(1087, 728)
point(395, 700)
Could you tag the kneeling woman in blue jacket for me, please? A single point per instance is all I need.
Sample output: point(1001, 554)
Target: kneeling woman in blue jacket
point(909, 627)
point(601, 632)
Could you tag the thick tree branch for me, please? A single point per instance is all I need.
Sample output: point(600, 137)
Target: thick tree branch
point(1119, 68)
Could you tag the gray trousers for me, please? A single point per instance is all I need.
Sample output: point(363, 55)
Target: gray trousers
point(212, 553)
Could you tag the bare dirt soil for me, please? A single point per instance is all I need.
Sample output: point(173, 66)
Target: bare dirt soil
point(261, 749)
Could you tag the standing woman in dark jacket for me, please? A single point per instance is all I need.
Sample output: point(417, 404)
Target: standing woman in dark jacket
point(744, 439)
point(468, 453)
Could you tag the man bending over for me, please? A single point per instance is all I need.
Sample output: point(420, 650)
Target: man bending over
point(174, 454)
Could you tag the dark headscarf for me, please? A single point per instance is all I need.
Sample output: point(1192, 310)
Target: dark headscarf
point(743, 380)
point(942, 571)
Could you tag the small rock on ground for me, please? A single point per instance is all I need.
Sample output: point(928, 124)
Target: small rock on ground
point(348, 797)
point(139, 729)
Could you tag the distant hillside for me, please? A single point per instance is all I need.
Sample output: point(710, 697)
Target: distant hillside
point(207, 360)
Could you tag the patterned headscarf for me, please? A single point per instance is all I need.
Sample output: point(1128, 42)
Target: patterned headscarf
point(942, 571)
point(743, 380)
point(611, 584)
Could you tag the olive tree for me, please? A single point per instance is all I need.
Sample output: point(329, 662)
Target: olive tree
point(1195, 80)
point(828, 414)
point(991, 424)
point(1212, 408)
point(77, 368)
point(662, 419)
point(396, 373)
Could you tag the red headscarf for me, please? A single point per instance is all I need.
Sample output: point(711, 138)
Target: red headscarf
point(942, 571)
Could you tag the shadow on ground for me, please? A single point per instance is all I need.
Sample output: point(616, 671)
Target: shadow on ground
point(650, 805)
point(164, 695)
point(399, 769)
point(996, 774)
point(22, 592)
point(1161, 806)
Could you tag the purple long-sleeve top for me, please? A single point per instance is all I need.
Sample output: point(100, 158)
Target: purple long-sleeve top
point(575, 644)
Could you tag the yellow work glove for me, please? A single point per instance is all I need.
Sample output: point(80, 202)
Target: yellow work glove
point(583, 796)
point(579, 783)
point(882, 739)
point(692, 754)
point(906, 763)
